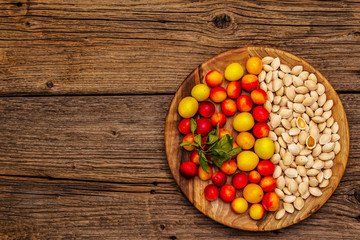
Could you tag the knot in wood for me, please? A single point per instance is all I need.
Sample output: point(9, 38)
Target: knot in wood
point(222, 21)
point(49, 84)
point(357, 195)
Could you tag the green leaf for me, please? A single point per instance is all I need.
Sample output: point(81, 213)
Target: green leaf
point(217, 160)
point(197, 139)
point(220, 159)
point(235, 151)
point(203, 162)
point(225, 143)
point(189, 144)
point(217, 130)
point(212, 138)
point(193, 125)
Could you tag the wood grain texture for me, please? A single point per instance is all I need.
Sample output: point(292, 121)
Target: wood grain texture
point(51, 208)
point(113, 146)
point(33, 208)
point(87, 137)
point(219, 210)
point(108, 47)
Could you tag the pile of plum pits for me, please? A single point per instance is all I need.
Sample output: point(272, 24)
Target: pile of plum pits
point(244, 158)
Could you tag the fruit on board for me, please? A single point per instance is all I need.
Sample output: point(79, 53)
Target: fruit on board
point(203, 126)
point(206, 109)
point(204, 175)
point(234, 72)
point(223, 132)
point(218, 179)
point(268, 183)
point(264, 148)
point(244, 103)
point(239, 180)
point(188, 169)
point(227, 193)
point(228, 107)
point(214, 78)
point(258, 96)
point(256, 211)
point(218, 118)
point(249, 82)
point(239, 205)
point(253, 193)
point(194, 157)
point(184, 126)
point(245, 140)
point(254, 65)
point(211, 192)
point(189, 138)
point(229, 167)
point(233, 89)
point(254, 176)
point(271, 201)
point(266, 167)
point(260, 114)
point(243, 122)
point(247, 160)
point(218, 94)
point(261, 130)
point(188, 107)
point(200, 92)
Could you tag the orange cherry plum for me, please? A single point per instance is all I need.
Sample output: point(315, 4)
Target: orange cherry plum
point(189, 138)
point(194, 157)
point(239, 205)
point(249, 82)
point(260, 114)
point(204, 175)
point(228, 107)
point(271, 201)
point(258, 96)
point(240, 180)
point(223, 132)
point(206, 109)
point(256, 211)
point(244, 103)
point(211, 192)
point(184, 126)
point(214, 78)
point(218, 179)
point(218, 118)
point(227, 193)
point(266, 168)
point(261, 130)
point(188, 169)
point(233, 89)
point(229, 167)
point(218, 94)
point(254, 176)
point(268, 183)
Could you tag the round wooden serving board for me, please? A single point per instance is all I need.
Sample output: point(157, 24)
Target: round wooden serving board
point(193, 188)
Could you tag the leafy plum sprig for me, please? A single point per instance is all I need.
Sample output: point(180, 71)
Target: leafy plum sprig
point(219, 149)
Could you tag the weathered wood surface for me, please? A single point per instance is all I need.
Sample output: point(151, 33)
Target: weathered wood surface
point(92, 167)
point(122, 47)
point(129, 191)
point(33, 208)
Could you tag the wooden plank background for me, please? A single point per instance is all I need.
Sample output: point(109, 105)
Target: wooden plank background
point(84, 91)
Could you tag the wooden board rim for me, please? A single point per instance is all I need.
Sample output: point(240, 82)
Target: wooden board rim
point(196, 73)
